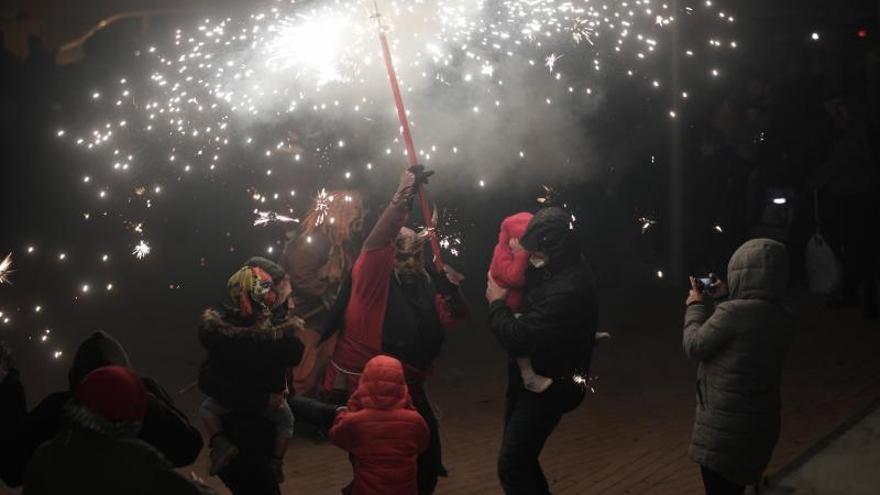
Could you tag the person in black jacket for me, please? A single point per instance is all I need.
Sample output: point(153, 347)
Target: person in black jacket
point(251, 345)
point(556, 328)
point(164, 427)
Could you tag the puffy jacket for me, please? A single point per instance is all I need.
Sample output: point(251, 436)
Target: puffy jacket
point(740, 346)
point(508, 269)
point(382, 431)
point(245, 364)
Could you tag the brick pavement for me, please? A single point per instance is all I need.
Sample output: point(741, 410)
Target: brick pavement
point(630, 438)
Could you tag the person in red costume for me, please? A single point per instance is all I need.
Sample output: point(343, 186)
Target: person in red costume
point(508, 269)
point(382, 431)
point(393, 306)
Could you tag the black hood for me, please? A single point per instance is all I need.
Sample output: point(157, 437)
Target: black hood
point(99, 349)
point(550, 232)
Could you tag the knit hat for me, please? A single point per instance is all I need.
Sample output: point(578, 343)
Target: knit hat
point(114, 394)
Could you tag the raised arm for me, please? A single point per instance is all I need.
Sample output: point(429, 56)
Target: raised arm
point(705, 331)
point(395, 214)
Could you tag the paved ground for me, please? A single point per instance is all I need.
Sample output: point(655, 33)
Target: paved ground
point(847, 465)
point(631, 437)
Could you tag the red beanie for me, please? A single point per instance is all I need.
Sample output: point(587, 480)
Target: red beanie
point(114, 393)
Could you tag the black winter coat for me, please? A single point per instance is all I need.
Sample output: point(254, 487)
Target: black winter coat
point(559, 315)
point(557, 325)
point(85, 457)
point(246, 364)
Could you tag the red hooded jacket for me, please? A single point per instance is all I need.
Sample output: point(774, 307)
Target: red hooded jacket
point(383, 431)
point(508, 269)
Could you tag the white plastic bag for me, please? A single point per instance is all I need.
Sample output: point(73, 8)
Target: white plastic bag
point(824, 270)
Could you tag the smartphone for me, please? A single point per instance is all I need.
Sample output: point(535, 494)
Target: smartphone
point(705, 285)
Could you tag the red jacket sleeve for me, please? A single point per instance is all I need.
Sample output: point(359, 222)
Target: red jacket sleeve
point(341, 433)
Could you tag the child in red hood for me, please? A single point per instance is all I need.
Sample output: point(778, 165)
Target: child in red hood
point(382, 431)
point(508, 269)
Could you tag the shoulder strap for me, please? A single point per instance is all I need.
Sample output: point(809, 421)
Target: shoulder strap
point(336, 317)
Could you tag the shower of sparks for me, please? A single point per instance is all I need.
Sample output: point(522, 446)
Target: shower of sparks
point(266, 217)
point(141, 250)
point(292, 87)
point(5, 269)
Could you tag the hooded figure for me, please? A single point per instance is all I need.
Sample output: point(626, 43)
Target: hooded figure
point(556, 328)
point(98, 451)
point(382, 431)
point(740, 345)
point(164, 426)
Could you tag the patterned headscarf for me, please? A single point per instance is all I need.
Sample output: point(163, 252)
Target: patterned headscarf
point(250, 291)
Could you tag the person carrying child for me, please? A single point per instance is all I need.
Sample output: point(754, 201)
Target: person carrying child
point(251, 343)
point(508, 269)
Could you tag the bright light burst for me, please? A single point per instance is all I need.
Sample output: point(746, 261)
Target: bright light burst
point(284, 86)
point(141, 250)
point(5, 269)
point(266, 217)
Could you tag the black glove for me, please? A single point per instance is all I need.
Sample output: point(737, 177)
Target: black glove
point(421, 174)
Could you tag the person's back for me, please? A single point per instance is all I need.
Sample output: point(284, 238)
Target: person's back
point(740, 346)
point(382, 431)
point(98, 452)
point(77, 461)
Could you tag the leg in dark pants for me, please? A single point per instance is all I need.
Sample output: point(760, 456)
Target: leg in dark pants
point(529, 420)
point(717, 485)
point(430, 464)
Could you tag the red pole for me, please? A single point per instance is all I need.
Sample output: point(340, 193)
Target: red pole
point(410, 148)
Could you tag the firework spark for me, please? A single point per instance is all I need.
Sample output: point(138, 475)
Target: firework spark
point(266, 217)
point(207, 86)
point(6, 269)
point(141, 250)
point(322, 206)
point(646, 223)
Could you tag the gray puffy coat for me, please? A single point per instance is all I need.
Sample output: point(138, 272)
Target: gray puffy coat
point(740, 346)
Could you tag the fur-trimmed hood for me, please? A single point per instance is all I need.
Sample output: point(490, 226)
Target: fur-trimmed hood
point(82, 417)
point(213, 322)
